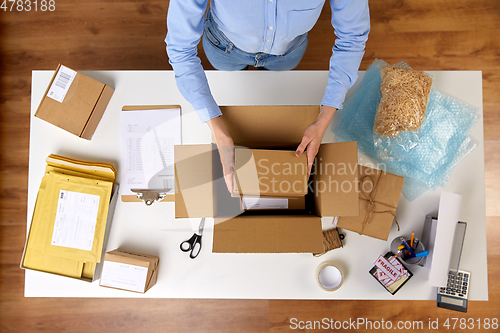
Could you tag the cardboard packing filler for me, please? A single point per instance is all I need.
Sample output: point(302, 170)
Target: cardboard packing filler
point(202, 192)
point(269, 173)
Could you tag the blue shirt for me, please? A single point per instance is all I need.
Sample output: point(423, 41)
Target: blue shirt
point(268, 26)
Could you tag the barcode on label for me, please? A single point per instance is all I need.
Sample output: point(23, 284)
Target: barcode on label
point(61, 84)
point(63, 80)
point(62, 195)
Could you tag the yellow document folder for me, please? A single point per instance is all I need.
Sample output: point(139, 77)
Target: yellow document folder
point(69, 221)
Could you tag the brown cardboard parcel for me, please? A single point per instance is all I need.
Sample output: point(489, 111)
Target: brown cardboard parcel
point(202, 192)
point(81, 109)
point(379, 194)
point(135, 259)
point(269, 173)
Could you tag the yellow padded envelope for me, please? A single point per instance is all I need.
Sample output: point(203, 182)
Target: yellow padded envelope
point(79, 180)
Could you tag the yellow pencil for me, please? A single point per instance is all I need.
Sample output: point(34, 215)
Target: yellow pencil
point(412, 238)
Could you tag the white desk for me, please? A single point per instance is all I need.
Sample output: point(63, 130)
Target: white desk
point(154, 230)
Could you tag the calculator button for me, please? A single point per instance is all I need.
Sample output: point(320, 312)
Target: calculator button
point(448, 293)
point(461, 295)
point(466, 275)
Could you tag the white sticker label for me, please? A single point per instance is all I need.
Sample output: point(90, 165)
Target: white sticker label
point(76, 218)
point(264, 203)
point(61, 84)
point(124, 276)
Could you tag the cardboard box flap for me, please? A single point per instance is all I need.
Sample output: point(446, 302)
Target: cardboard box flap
point(194, 181)
point(128, 258)
point(268, 234)
point(268, 126)
point(336, 179)
point(152, 276)
point(99, 108)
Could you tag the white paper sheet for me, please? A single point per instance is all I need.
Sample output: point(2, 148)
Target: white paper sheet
point(61, 83)
point(448, 216)
point(147, 149)
point(264, 203)
point(76, 218)
point(124, 276)
point(431, 242)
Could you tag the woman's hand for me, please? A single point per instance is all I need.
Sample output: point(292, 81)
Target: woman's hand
point(313, 135)
point(225, 145)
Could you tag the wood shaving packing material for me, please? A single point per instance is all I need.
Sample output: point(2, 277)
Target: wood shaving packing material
point(405, 93)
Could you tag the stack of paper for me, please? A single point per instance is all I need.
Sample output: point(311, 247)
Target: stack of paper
point(69, 221)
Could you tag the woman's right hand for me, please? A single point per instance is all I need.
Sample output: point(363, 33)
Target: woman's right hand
point(225, 145)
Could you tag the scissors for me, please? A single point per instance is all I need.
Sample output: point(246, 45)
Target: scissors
point(193, 244)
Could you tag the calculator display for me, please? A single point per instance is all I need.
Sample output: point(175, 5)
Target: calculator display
point(453, 301)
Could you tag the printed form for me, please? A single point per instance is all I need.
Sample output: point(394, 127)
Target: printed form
point(76, 219)
point(147, 149)
point(124, 276)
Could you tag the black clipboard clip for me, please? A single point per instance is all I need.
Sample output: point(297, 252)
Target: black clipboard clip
point(150, 196)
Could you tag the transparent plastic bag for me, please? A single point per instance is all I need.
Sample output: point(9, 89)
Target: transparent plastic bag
point(401, 111)
point(443, 136)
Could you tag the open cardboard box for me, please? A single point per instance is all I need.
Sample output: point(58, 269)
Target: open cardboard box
point(201, 190)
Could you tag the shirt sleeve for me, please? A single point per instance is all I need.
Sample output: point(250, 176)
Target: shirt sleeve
point(351, 21)
point(185, 27)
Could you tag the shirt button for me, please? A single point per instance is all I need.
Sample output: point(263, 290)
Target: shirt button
point(270, 0)
point(265, 50)
point(268, 40)
point(271, 28)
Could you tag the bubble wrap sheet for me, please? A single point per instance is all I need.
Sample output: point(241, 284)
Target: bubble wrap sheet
point(444, 134)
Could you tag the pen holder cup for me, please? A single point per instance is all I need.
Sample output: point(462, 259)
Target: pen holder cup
point(410, 261)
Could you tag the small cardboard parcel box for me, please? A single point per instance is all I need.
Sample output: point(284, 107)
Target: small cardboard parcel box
point(74, 102)
point(129, 271)
point(201, 190)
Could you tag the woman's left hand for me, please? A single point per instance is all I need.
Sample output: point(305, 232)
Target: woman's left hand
point(313, 135)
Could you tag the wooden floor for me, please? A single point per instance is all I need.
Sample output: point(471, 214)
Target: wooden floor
point(128, 35)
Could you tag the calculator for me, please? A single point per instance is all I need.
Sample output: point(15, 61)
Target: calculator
point(454, 295)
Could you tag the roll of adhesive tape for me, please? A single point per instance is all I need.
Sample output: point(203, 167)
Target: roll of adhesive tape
point(329, 276)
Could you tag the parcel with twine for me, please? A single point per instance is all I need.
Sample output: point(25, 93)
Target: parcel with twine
point(379, 195)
